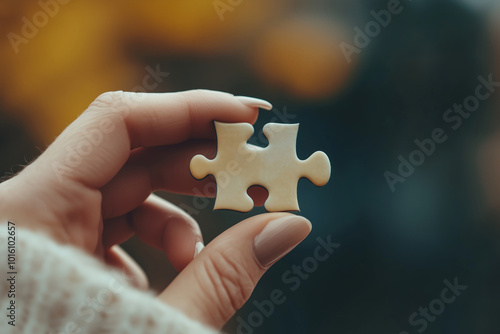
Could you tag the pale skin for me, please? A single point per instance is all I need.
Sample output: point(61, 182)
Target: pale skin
point(104, 196)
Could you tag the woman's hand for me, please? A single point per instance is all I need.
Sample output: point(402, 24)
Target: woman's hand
point(92, 188)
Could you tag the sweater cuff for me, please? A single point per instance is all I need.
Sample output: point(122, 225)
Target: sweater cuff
point(54, 288)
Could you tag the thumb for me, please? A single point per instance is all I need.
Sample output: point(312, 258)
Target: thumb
point(223, 276)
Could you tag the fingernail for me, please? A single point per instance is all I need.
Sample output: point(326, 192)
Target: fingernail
point(253, 102)
point(198, 248)
point(278, 238)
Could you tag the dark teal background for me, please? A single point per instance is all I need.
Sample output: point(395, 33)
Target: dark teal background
point(396, 249)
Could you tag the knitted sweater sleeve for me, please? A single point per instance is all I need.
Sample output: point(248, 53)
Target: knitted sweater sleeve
point(51, 288)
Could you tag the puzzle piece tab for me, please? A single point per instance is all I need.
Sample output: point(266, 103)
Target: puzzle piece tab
point(239, 165)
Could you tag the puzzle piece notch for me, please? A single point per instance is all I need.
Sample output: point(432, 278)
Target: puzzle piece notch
point(239, 165)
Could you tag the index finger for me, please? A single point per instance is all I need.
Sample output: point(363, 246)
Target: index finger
point(94, 147)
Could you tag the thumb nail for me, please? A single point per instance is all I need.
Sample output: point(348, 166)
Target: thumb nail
point(278, 238)
point(255, 103)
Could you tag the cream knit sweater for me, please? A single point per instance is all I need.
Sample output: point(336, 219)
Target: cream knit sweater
point(50, 288)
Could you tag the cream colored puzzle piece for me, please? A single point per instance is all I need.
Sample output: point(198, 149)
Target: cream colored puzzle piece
point(239, 165)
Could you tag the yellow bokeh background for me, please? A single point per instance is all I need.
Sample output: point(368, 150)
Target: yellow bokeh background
point(89, 47)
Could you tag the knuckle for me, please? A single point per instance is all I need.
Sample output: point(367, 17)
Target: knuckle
point(108, 100)
point(229, 280)
point(118, 103)
point(115, 101)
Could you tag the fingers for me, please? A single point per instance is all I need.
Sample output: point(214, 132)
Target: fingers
point(222, 277)
point(153, 169)
point(117, 257)
point(159, 224)
point(94, 147)
point(160, 168)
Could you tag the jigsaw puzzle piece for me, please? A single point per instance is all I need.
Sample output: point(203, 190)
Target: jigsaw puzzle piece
point(282, 195)
point(283, 187)
point(231, 141)
point(288, 168)
point(280, 161)
point(316, 168)
point(283, 190)
point(282, 142)
point(239, 165)
point(227, 166)
point(231, 191)
point(233, 195)
point(232, 137)
point(200, 166)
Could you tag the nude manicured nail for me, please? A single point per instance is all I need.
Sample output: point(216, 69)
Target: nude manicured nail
point(253, 102)
point(279, 237)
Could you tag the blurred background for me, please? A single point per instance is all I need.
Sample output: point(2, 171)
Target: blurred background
point(363, 87)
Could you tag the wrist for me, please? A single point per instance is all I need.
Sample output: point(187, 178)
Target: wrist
point(26, 211)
